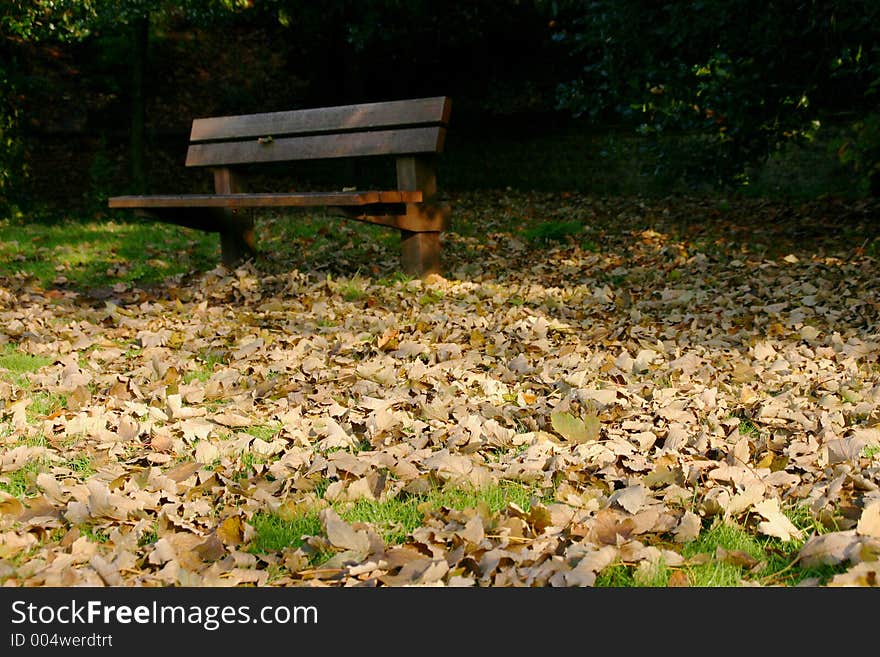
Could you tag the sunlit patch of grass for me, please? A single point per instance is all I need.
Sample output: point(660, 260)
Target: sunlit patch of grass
point(431, 297)
point(249, 462)
point(18, 364)
point(81, 465)
point(748, 428)
point(21, 483)
point(717, 573)
point(758, 559)
point(273, 534)
point(92, 254)
point(496, 496)
point(619, 575)
point(44, 404)
point(29, 440)
point(94, 534)
point(205, 363)
point(263, 431)
point(393, 519)
point(149, 537)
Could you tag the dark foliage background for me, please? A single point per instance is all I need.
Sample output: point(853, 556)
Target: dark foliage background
point(615, 96)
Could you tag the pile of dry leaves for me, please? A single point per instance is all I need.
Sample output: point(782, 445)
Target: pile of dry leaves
point(645, 382)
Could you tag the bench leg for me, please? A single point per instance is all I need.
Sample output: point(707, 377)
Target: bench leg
point(419, 253)
point(237, 242)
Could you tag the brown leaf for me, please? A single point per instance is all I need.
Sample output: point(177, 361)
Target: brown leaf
point(183, 471)
point(79, 397)
point(689, 528)
point(735, 557)
point(212, 549)
point(128, 429)
point(631, 498)
point(342, 535)
point(827, 549)
point(231, 419)
point(609, 528)
point(678, 578)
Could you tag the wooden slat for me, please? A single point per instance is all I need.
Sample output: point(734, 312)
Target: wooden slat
point(301, 199)
point(430, 222)
point(356, 144)
point(367, 116)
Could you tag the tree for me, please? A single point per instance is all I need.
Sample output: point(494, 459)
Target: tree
point(23, 22)
point(26, 22)
point(747, 77)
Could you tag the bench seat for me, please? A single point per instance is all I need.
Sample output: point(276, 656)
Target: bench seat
point(268, 200)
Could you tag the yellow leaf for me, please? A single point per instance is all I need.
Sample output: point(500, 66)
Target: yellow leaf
point(575, 429)
point(10, 506)
point(230, 531)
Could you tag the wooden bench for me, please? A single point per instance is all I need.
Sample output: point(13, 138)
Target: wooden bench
point(411, 131)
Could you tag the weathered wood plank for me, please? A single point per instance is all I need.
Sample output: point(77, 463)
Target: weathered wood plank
point(298, 199)
point(355, 144)
point(417, 173)
point(366, 116)
point(237, 236)
point(420, 253)
point(428, 219)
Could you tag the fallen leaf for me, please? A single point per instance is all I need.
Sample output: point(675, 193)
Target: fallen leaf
point(777, 524)
point(230, 531)
point(342, 535)
point(575, 429)
point(10, 506)
point(869, 521)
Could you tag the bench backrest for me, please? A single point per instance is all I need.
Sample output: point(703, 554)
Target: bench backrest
point(400, 127)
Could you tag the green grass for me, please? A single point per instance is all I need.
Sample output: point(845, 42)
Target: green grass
point(764, 560)
point(393, 519)
point(206, 362)
point(94, 534)
point(431, 297)
point(18, 364)
point(44, 404)
point(263, 431)
point(21, 483)
point(274, 534)
point(94, 254)
point(748, 428)
point(551, 232)
point(353, 289)
point(81, 465)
